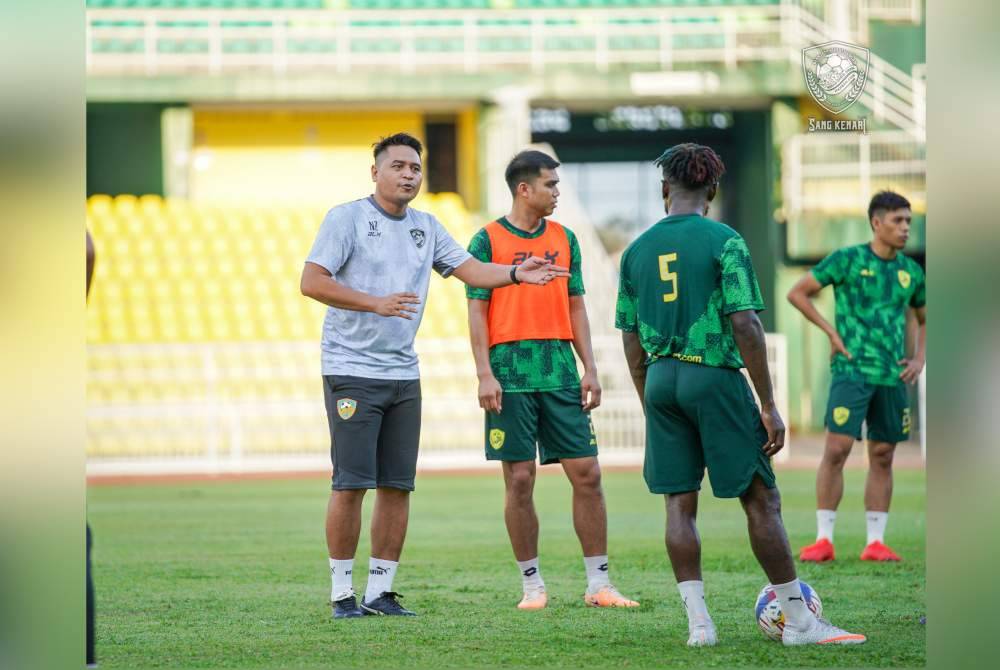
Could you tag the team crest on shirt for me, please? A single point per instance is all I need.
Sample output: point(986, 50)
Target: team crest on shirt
point(346, 407)
point(496, 438)
point(418, 237)
point(841, 415)
point(904, 278)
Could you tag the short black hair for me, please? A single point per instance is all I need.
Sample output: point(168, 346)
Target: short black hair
point(527, 165)
point(886, 201)
point(397, 140)
point(691, 166)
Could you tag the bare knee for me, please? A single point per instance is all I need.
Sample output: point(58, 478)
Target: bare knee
point(587, 480)
point(392, 496)
point(682, 508)
point(761, 503)
point(837, 450)
point(880, 455)
point(347, 497)
point(520, 479)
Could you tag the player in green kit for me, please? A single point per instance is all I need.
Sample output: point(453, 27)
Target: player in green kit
point(687, 308)
point(874, 287)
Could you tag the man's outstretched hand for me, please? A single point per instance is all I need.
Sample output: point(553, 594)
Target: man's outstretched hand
point(535, 270)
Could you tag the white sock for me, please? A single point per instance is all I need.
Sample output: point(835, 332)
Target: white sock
point(876, 526)
point(531, 576)
point(825, 519)
point(597, 572)
point(793, 605)
point(380, 575)
point(693, 597)
point(340, 573)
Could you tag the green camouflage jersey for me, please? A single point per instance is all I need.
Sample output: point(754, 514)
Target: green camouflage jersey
point(531, 365)
point(872, 295)
point(679, 282)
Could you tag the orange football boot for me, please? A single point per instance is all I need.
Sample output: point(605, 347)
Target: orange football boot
point(876, 551)
point(820, 551)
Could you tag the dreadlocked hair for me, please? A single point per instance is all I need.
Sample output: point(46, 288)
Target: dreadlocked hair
point(690, 165)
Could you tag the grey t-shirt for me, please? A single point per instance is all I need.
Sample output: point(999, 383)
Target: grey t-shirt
point(369, 250)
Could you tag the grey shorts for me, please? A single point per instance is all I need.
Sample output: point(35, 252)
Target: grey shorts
point(374, 431)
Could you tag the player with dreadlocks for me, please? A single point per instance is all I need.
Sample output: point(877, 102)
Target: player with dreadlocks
point(687, 308)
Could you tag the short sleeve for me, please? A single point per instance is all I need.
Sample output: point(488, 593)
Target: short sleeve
point(627, 307)
point(480, 249)
point(832, 269)
point(448, 254)
point(575, 265)
point(334, 242)
point(740, 290)
point(919, 298)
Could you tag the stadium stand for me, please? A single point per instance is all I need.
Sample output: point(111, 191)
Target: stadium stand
point(198, 332)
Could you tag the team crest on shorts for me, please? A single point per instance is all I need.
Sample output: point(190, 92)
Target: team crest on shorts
point(346, 407)
point(496, 438)
point(841, 415)
point(904, 278)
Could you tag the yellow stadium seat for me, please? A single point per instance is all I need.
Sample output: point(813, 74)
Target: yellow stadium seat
point(150, 204)
point(125, 204)
point(99, 205)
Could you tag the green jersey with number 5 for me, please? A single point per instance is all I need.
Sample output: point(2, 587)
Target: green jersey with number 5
point(680, 280)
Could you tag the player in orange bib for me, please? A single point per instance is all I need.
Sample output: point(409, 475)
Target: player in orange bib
point(523, 340)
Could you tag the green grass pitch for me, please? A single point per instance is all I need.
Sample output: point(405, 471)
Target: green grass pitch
point(234, 575)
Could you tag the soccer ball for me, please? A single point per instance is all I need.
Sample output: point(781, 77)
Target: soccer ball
point(771, 619)
point(834, 72)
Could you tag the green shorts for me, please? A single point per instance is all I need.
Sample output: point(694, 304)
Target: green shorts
point(885, 408)
point(554, 420)
point(699, 416)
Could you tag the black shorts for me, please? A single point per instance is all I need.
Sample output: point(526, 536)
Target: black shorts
point(374, 431)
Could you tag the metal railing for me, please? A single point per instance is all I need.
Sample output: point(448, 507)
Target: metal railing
point(137, 41)
point(893, 10)
point(833, 171)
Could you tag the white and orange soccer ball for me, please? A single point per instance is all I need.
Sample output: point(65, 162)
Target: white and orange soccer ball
point(771, 619)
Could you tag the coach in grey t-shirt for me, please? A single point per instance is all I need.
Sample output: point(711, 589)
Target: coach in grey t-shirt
point(371, 266)
point(365, 247)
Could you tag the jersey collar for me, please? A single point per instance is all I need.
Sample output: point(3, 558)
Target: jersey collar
point(510, 227)
point(374, 203)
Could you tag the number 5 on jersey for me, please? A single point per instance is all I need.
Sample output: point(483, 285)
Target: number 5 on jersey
point(667, 275)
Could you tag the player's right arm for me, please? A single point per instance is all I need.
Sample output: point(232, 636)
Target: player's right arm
point(490, 392)
point(749, 336)
point(627, 321)
point(801, 296)
point(317, 283)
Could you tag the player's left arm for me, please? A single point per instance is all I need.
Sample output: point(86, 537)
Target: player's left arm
point(533, 270)
point(590, 386)
point(913, 366)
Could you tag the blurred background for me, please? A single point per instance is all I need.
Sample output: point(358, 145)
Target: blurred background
point(220, 131)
